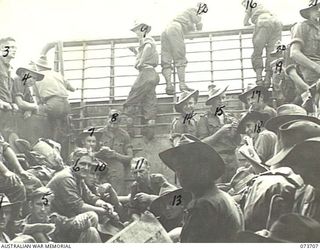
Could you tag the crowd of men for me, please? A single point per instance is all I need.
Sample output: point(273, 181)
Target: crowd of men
point(253, 179)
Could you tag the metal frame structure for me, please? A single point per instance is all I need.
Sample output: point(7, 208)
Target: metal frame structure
point(114, 51)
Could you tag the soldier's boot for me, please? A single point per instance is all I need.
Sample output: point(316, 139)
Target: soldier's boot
point(150, 130)
point(267, 79)
point(259, 80)
point(166, 72)
point(130, 127)
point(181, 75)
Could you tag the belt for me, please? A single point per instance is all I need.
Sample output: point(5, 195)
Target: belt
point(56, 96)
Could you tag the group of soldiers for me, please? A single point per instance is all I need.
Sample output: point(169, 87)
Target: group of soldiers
point(253, 178)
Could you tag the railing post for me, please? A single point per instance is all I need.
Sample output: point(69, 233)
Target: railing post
point(241, 66)
point(112, 71)
point(211, 58)
point(84, 48)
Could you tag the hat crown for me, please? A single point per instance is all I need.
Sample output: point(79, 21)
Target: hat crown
point(295, 228)
point(297, 131)
point(5, 200)
point(183, 95)
point(291, 109)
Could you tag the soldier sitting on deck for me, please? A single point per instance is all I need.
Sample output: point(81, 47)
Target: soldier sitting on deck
point(146, 187)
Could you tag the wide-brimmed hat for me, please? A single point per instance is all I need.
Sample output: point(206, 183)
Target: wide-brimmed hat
point(21, 71)
point(305, 13)
point(292, 133)
point(5, 201)
point(141, 25)
point(252, 115)
point(294, 228)
point(184, 97)
point(109, 226)
point(43, 62)
point(158, 206)
point(215, 91)
point(253, 87)
point(286, 113)
point(305, 154)
point(189, 153)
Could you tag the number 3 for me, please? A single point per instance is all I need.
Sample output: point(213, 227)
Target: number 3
point(6, 50)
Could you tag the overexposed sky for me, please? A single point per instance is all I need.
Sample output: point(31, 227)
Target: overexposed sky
point(36, 22)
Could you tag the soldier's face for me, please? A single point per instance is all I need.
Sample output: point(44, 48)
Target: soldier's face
point(250, 127)
point(9, 50)
point(90, 142)
point(4, 217)
point(189, 106)
point(40, 211)
point(255, 101)
point(141, 175)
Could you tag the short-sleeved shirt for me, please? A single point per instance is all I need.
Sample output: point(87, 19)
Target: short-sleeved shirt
point(52, 84)
point(188, 19)
point(181, 126)
point(153, 58)
point(214, 217)
point(307, 34)
point(6, 82)
point(20, 89)
point(157, 182)
point(209, 124)
point(264, 144)
point(70, 193)
point(255, 12)
point(118, 140)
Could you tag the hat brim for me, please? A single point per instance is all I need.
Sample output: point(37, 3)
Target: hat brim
point(221, 91)
point(306, 151)
point(264, 92)
point(252, 116)
point(279, 157)
point(157, 207)
point(109, 228)
point(305, 13)
point(179, 105)
point(274, 123)
point(21, 72)
point(250, 237)
point(139, 26)
point(258, 167)
point(195, 154)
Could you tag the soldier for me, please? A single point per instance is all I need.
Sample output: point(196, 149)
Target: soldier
point(143, 91)
point(218, 129)
point(212, 215)
point(116, 151)
point(257, 97)
point(267, 32)
point(186, 123)
point(147, 187)
point(22, 89)
point(305, 48)
point(7, 121)
point(173, 47)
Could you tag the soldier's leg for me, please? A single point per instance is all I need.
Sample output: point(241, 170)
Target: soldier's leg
point(150, 106)
point(259, 40)
point(178, 47)
point(166, 61)
point(133, 102)
point(275, 33)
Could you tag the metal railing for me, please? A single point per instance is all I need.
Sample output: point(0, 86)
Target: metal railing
point(103, 70)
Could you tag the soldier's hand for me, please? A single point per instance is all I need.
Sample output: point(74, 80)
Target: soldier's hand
point(27, 114)
point(142, 197)
point(13, 178)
